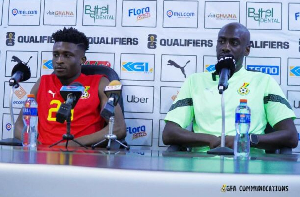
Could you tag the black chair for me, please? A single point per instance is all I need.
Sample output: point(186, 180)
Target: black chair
point(268, 129)
point(103, 70)
point(111, 75)
point(87, 70)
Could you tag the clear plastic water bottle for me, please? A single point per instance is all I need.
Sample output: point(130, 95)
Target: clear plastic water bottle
point(30, 120)
point(242, 126)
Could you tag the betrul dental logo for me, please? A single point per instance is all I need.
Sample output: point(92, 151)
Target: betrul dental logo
point(262, 15)
point(98, 12)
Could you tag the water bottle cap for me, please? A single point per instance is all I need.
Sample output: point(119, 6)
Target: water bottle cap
point(30, 96)
point(243, 100)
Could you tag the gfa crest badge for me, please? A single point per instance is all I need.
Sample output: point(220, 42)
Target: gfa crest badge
point(243, 90)
point(86, 94)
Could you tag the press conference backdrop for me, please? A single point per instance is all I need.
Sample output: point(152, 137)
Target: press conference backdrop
point(153, 45)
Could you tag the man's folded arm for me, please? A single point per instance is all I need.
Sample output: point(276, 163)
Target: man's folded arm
point(284, 135)
point(119, 123)
point(173, 134)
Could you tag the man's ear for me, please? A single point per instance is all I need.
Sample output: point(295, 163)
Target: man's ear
point(247, 50)
point(83, 59)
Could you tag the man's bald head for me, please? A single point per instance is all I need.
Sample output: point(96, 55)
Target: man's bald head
point(234, 40)
point(239, 29)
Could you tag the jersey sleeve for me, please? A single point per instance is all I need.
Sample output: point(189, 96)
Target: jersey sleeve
point(276, 105)
point(182, 109)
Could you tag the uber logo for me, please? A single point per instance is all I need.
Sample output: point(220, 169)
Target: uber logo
point(138, 99)
point(135, 99)
point(268, 65)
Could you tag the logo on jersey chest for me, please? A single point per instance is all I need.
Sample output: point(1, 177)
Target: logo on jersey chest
point(243, 90)
point(86, 93)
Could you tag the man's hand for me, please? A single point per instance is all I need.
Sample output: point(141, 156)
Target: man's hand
point(214, 142)
point(229, 141)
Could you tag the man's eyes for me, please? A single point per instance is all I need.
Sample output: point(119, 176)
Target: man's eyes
point(221, 41)
point(64, 55)
point(235, 43)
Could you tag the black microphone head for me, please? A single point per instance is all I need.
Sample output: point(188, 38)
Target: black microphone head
point(23, 68)
point(74, 90)
point(225, 62)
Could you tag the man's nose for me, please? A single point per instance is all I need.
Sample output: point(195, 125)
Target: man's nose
point(226, 48)
point(59, 59)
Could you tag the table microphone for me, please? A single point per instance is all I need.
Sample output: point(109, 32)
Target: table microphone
point(113, 93)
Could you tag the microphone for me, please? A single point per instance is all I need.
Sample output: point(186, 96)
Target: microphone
point(20, 72)
point(225, 68)
point(113, 93)
point(71, 94)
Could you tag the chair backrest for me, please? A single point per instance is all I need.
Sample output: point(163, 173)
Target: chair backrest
point(103, 70)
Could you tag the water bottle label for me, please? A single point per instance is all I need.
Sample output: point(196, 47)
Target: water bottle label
point(242, 118)
point(29, 111)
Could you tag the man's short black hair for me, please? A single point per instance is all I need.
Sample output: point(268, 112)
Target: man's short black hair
point(72, 35)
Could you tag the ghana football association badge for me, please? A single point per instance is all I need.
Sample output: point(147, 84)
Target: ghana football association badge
point(243, 90)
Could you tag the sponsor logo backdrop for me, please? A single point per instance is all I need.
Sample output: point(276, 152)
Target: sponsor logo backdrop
point(154, 45)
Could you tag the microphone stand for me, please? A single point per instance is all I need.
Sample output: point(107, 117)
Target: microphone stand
point(12, 118)
point(222, 150)
point(110, 136)
point(68, 136)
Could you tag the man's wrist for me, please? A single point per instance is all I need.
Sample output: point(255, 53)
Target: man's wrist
point(254, 140)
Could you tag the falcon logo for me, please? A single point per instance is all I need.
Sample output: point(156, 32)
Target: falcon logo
point(172, 63)
point(86, 94)
point(243, 90)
